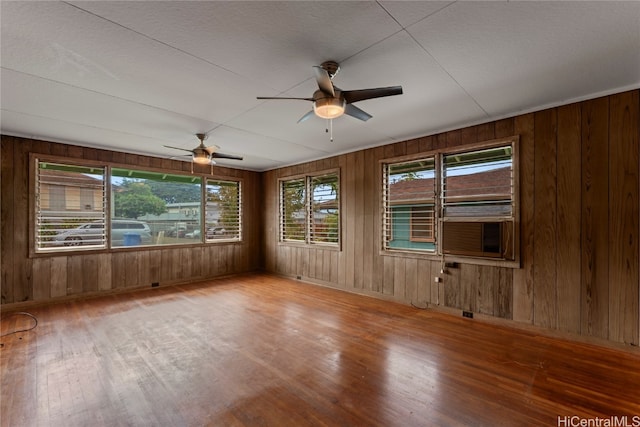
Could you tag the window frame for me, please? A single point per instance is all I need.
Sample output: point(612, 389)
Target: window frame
point(159, 225)
point(314, 237)
point(512, 221)
point(478, 148)
point(33, 222)
point(308, 239)
point(203, 211)
point(35, 158)
point(282, 225)
point(387, 212)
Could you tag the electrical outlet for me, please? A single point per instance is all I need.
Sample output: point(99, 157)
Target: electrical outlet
point(467, 314)
point(299, 277)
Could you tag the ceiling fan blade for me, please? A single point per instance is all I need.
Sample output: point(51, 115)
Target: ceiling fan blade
point(211, 149)
point(306, 116)
point(354, 111)
point(283, 97)
point(362, 94)
point(178, 148)
point(225, 156)
point(324, 81)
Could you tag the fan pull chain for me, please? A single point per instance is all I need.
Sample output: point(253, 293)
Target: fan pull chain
point(329, 129)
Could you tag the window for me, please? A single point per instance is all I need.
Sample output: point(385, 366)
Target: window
point(152, 208)
point(69, 207)
point(457, 202)
point(409, 195)
point(223, 213)
point(310, 209)
point(293, 211)
point(323, 214)
point(478, 183)
point(145, 208)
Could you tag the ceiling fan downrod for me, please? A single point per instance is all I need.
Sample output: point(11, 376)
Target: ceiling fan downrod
point(331, 67)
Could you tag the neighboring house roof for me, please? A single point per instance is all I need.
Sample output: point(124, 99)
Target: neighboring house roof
point(58, 177)
point(411, 190)
point(326, 204)
point(496, 182)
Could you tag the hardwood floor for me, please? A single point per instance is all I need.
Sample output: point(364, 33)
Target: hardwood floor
point(262, 350)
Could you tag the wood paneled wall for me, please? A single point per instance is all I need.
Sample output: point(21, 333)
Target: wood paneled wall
point(46, 277)
point(579, 231)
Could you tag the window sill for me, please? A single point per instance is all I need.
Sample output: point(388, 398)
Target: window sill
point(327, 246)
point(71, 251)
point(433, 256)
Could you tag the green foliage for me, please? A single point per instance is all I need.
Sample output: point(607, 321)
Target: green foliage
point(293, 201)
point(226, 197)
point(174, 192)
point(327, 229)
point(409, 176)
point(134, 199)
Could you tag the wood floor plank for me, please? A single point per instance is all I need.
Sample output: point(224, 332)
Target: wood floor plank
point(263, 350)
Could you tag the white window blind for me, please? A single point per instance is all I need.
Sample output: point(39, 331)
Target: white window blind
point(310, 209)
point(324, 213)
point(293, 210)
point(223, 214)
point(70, 207)
point(409, 194)
point(478, 184)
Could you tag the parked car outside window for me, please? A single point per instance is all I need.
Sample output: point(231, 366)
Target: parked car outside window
point(91, 233)
point(195, 234)
point(212, 233)
point(215, 233)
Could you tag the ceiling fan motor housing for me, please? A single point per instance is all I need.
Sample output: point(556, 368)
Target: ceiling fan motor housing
point(201, 155)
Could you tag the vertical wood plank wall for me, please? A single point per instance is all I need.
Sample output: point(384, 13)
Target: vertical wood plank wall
point(579, 231)
point(42, 278)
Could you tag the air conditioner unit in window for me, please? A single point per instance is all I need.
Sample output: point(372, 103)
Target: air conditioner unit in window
point(478, 239)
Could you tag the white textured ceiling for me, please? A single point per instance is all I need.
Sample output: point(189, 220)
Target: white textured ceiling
point(134, 76)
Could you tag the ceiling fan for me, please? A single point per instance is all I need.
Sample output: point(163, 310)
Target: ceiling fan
point(205, 155)
point(330, 102)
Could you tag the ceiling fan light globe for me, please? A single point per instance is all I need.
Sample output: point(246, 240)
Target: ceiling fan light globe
point(201, 158)
point(329, 108)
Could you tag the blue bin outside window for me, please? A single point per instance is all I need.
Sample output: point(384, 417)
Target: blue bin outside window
point(132, 239)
